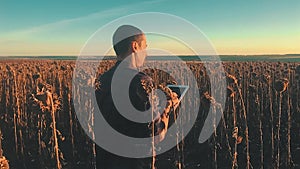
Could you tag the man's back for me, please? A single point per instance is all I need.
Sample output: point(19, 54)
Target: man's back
point(139, 98)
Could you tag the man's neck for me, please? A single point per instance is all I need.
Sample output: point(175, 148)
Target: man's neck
point(129, 62)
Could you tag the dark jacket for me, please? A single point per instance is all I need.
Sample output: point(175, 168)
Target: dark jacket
point(139, 90)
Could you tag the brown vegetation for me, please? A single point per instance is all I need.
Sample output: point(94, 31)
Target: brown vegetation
point(259, 129)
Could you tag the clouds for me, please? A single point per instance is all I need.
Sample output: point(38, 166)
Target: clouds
point(111, 13)
point(65, 33)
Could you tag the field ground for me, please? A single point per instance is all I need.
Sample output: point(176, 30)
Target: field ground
point(260, 127)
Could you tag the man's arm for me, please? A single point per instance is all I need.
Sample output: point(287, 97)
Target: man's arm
point(161, 122)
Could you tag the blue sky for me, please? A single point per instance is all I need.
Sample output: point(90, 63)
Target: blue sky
point(234, 27)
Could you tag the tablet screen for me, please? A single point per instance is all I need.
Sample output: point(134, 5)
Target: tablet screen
point(180, 90)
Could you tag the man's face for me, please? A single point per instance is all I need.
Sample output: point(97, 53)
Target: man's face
point(141, 53)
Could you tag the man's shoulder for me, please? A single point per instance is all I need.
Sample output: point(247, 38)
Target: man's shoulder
point(143, 76)
point(145, 81)
point(104, 79)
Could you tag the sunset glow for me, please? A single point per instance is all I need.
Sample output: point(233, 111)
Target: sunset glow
point(31, 28)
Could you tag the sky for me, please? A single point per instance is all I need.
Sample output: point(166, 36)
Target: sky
point(234, 27)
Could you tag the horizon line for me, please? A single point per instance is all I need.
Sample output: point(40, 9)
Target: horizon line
point(266, 54)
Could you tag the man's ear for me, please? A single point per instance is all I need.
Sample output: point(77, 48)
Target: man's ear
point(134, 46)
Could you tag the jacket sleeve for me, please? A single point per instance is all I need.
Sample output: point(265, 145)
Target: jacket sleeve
point(159, 124)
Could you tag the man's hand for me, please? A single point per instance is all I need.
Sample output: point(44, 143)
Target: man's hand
point(172, 103)
point(3, 163)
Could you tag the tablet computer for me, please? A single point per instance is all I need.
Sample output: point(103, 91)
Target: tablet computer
point(180, 90)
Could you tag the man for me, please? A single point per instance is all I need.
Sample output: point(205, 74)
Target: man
point(130, 45)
